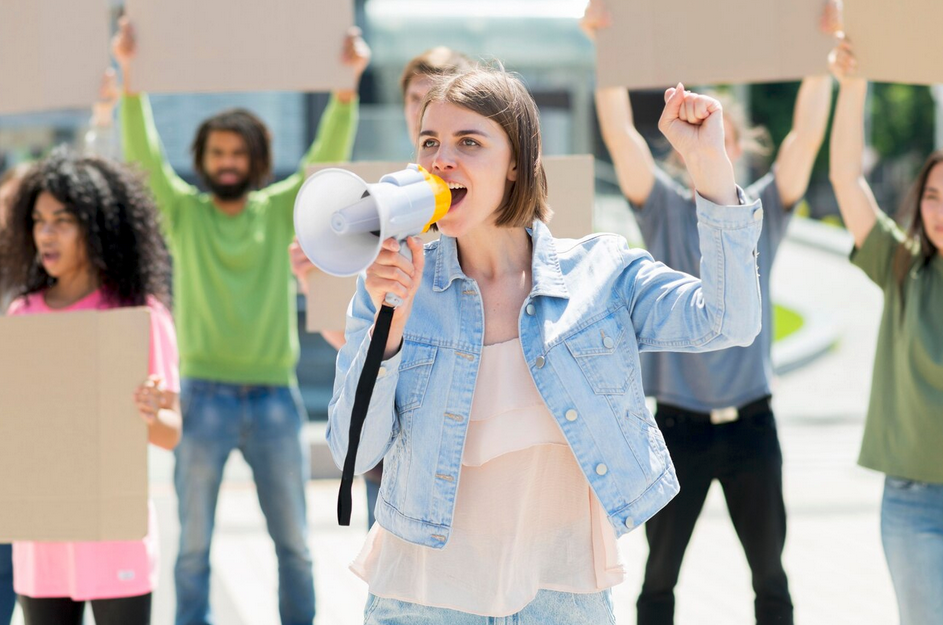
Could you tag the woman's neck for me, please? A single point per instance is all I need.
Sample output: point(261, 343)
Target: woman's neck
point(71, 288)
point(491, 253)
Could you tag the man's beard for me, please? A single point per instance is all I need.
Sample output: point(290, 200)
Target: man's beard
point(228, 192)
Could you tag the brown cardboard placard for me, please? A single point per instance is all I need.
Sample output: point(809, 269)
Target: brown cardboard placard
point(897, 42)
point(52, 53)
point(219, 45)
point(571, 192)
point(653, 43)
point(73, 449)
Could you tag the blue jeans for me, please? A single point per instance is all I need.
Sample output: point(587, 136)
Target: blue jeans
point(912, 533)
point(548, 608)
point(7, 596)
point(264, 423)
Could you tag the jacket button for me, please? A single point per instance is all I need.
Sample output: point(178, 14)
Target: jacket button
point(531, 309)
point(608, 342)
point(758, 214)
point(630, 523)
point(601, 469)
point(539, 363)
point(381, 372)
point(570, 415)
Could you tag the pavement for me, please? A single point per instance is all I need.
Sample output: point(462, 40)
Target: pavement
point(833, 552)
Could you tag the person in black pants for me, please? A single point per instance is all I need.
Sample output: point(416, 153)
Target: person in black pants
point(714, 408)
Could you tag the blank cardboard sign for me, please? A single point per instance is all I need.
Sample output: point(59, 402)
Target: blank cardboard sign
point(52, 53)
point(221, 45)
point(653, 43)
point(897, 42)
point(73, 449)
point(570, 182)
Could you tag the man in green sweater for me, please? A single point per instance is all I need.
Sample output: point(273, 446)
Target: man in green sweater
point(235, 307)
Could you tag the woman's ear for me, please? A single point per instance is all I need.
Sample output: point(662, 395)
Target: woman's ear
point(512, 172)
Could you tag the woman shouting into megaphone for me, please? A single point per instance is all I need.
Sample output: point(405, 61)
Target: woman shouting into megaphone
point(509, 409)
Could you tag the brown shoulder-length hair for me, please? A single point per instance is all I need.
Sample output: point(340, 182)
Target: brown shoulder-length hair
point(502, 97)
point(252, 130)
point(916, 251)
point(439, 61)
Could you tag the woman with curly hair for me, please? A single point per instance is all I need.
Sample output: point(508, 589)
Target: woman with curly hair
point(83, 235)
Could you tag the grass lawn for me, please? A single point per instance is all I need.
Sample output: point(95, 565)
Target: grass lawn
point(785, 322)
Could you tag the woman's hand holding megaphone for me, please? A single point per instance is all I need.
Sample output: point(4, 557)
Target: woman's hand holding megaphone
point(393, 273)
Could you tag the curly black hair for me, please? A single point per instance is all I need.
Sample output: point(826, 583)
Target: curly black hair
point(117, 216)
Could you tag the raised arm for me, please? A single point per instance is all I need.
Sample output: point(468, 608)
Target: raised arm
point(674, 311)
point(631, 157)
point(855, 199)
point(139, 138)
point(809, 122)
point(337, 128)
point(800, 147)
point(102, 137)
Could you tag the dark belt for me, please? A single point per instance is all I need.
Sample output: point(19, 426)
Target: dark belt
point(721, 415)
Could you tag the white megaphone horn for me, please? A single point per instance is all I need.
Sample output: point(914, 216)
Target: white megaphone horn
point(341, 221)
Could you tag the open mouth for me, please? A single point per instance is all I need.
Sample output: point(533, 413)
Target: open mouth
point(49, 257)
point(459, 191)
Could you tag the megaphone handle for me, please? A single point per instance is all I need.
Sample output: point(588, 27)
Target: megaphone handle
point(392, 299)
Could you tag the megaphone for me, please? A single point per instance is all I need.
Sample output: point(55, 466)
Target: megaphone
point(341, 221)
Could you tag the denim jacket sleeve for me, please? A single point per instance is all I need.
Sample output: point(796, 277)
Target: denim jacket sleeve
point(381, 425)
point(673, 311)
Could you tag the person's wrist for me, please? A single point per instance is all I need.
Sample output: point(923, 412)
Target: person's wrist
point(714, 180)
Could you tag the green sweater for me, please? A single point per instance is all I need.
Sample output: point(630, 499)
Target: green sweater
point(903, 434)
point(234, 296)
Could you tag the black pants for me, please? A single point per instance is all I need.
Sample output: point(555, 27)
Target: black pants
point(745, 457)
point(65, 611)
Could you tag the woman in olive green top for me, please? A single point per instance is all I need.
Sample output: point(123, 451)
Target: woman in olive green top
point(903, 435)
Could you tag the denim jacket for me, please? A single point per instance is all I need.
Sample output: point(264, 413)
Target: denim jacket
point(594, 305)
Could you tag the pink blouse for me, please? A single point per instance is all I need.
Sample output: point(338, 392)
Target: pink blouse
point(525, 517)
point(98, 570)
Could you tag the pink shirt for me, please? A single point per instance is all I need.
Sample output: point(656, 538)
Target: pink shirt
point(98, 570)
point(525, 517)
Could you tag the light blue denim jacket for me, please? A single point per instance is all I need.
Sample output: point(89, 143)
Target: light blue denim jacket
point(595, 304)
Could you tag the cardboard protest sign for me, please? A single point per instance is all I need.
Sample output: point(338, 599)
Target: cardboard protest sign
point(73, 449)
point(220, 45)
point(571, 191)
point(653, 43)
point(52, 53)
point(897, 42)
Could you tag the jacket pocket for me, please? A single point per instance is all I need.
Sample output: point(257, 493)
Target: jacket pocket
point(600, 351)
point(414, 371)
point(646, 442)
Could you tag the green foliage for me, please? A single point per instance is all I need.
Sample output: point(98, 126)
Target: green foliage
point(901, 120)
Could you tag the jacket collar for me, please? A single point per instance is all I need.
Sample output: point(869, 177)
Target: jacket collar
point(547, 276)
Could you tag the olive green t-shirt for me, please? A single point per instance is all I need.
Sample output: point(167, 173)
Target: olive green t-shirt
point(903, 434)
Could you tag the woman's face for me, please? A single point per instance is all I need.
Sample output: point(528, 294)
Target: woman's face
point(931, 207)
point(59, 239)
point(473, 154)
